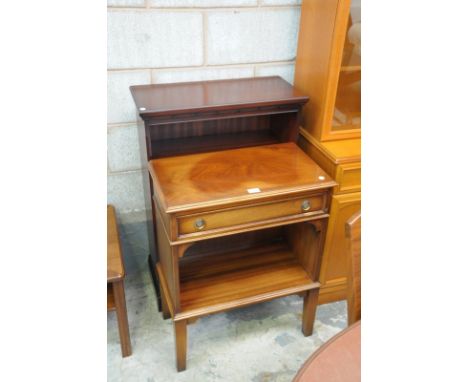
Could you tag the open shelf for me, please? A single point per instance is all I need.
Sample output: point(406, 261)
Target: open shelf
point(216, 133)
point(199, 144)
point(217, 282)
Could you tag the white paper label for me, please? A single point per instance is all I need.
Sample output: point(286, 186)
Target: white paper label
point(253, 190)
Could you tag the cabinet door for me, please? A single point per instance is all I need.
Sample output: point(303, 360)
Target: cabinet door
point(347, 111)
point(333, 274)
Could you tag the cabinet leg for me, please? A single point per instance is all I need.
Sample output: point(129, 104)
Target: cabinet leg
point(308, 314)
point(180, 330)
point(165, 308)
point(121, 310)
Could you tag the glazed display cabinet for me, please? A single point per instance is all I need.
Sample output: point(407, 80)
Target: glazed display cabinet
point(328, 70)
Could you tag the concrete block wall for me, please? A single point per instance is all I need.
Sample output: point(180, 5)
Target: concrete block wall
point(160, 41)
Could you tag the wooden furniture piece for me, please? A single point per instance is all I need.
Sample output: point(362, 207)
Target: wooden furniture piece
point(353, 238)
point(328, 70)
point(238, 227)
point(115, 281)
point(338, 360)
point(195, 117)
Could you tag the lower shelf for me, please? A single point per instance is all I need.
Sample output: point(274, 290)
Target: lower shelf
point(218, 282)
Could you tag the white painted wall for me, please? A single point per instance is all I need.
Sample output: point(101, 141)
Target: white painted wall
point(160, 41)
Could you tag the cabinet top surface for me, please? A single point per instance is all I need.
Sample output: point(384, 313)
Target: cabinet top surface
point(164, 99)
point(224, 177)
point(344, 149)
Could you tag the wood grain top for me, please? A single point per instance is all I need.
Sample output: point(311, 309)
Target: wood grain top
point(230, 176)
point(162, 99)
point(115, 267)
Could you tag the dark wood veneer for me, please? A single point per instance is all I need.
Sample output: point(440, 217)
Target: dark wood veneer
point(202, 96)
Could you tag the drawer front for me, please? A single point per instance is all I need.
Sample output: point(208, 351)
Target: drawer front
point(349, 177)
point(234, 217)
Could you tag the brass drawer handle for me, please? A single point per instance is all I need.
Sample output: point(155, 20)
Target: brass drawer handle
point(305, 205)
point(199, 224)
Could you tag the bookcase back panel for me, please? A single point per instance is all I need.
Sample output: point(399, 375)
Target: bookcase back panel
point(178, 138)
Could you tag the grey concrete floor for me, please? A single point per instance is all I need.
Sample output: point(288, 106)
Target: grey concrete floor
point(260, 343)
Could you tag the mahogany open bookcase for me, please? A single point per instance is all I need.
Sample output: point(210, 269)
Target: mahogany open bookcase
point(238, 212)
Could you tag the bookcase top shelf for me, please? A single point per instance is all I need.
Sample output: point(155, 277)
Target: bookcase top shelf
point(190, 97)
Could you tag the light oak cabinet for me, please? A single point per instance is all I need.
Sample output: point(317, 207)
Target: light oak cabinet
point(328, 70)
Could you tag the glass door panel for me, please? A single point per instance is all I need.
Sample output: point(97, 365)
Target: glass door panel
point(347, 112)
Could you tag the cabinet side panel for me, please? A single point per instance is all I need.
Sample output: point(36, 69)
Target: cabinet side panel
point(307, 241)
point(286, 126)
point(324, 162)
point(147, 192)
point(314, 53)
point(167, 261)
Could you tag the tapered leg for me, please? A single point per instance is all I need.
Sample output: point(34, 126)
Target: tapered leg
point(121, 310)
point(308, 314)
point(180, 330)
point(165, 309)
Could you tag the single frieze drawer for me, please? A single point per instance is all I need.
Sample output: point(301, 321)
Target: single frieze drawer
point(230, 218)
point(349, 177)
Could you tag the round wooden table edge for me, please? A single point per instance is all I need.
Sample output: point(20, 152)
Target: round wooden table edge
point(323, 348)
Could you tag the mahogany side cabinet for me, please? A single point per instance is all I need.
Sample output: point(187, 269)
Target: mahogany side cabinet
point(238, 212)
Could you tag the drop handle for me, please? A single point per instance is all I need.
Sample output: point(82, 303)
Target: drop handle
point(305, 205)
point(200, 224)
